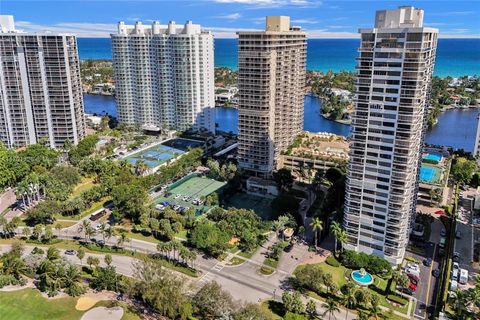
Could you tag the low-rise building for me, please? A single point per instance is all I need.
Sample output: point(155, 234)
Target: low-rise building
point(262, 187)
point(314, 151)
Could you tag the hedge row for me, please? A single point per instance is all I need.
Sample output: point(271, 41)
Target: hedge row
point(397, 299)
point(332, 261)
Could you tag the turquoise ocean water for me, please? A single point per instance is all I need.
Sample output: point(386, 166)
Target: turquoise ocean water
point(455, 57)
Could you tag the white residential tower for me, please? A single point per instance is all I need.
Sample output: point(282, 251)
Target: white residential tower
point(40, 88)
point(164, 76)
point(394, 73)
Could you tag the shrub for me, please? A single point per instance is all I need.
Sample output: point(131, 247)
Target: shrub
point(37, 250)
point(358, 260)
point(412, 259)
point(332, 261)
point(266, 270)
point(6, 280)
point(397, 299)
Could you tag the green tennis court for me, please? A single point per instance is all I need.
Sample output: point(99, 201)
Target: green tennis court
point(261, 205)
point(197, 187)
point(193, 187)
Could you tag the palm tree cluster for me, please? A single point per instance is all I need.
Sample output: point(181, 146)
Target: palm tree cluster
point(339, 234)
point(31, 189)
point(175, 251)
point(56, 274)
point(466, 303)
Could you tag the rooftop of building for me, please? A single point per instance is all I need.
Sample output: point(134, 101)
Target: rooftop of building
point(139, 29)
point(320, 145)
point(277, 25)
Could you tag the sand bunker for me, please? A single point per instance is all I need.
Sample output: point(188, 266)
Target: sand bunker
point(85, 303)
point(103, 313)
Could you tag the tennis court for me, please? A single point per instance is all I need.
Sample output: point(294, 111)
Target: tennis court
point(430, 174)
point(261, 205)
point(154, 156)
point(192, 187)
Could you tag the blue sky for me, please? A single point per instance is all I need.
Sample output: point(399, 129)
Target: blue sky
point(321, 19)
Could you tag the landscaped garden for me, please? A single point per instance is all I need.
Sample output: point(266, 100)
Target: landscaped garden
point(333, 280)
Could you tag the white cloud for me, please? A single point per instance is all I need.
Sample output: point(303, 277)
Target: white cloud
point(232, 16)
point(94, 30)
point(103, 30)
point(305, 21)
point(275, 3)
point(338, 27)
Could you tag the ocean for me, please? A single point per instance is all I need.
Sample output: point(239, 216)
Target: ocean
point(455, 57)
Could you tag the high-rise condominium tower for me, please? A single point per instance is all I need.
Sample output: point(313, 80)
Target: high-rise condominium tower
point(164, 76)
point(271, 81)
point(394, 74)
point(40, 88)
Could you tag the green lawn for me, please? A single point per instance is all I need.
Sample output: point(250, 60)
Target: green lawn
point(64, 224)
point(338, 275)
point(28, 304)
point(84, 185)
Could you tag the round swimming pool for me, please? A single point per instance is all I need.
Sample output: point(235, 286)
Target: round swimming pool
point(362, 277)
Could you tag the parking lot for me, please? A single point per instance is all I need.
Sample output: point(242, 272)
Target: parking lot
point(465, 235)
point(426, 288)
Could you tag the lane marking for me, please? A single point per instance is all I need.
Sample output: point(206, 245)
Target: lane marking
point(430, 275)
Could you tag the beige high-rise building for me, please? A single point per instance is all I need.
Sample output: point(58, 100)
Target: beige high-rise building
point(394, 75)
point(40, 88)
point(271, 81)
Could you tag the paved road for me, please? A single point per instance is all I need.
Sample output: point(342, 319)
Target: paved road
point(426, 289)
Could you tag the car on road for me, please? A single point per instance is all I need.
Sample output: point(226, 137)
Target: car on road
point(76, 238)
point(455, 266)
point(428, 262)
point(101, 243)
point(458, 234)
point(436, 273)
point(441, 244)
point(456, 257)
point(70, 252)
point(443, 233)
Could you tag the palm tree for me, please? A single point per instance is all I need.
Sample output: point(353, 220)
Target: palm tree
point(335, 230)
point(362, 315)
point(90, 232)
point(71, 281)
point(349, 299)
point(331, 307)
point(374, 311)
point(122, 238)
point(311, 309)
point(342, 238)
point(102, 228)
point(84, 227)
point(316, 225)
point(26, 232)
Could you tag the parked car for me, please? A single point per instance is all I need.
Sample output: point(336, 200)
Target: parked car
point(463, 279)
point(455, 266)
point(414, 277)
point(428, 262)
point(436, 273)
point(443, 233)
point(70, 252)
point(412, 286)
point(458, 234)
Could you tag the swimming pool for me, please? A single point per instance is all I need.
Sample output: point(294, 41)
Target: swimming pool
point(433, 157)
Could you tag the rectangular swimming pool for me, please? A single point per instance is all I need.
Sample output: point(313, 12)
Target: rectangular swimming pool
point(433, 157)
